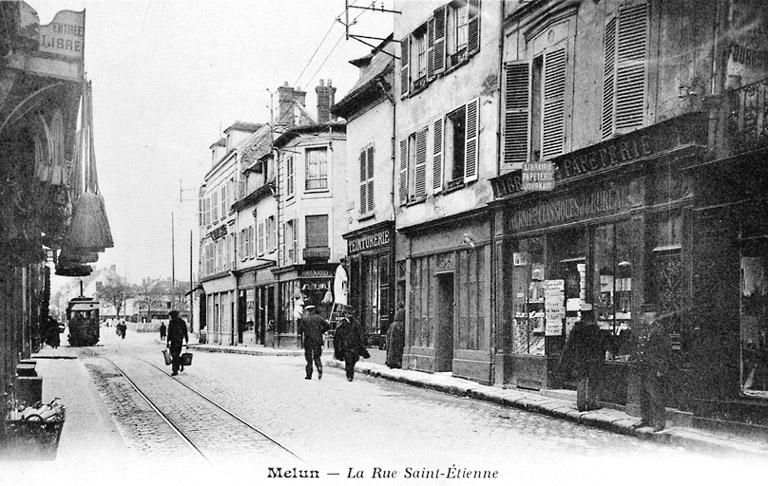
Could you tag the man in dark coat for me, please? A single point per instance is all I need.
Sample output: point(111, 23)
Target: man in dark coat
point(177, 335)
point(396, 338)
point(349, 343)
point(162, 331)
point(312, 327)
point(654, 359)
point(585, 349)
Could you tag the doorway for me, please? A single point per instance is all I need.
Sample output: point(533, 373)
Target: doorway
point(445, 317)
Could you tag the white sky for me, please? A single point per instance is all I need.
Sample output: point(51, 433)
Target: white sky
point(167, 75)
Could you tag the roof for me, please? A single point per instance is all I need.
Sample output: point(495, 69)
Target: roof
point(243, 126)
point(283, 139)
point(220, 142)
point(375, 66)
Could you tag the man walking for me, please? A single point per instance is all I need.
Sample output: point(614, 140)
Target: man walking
point(349, 343)
point(653, 356)
point(177, 332)
point(312, 327)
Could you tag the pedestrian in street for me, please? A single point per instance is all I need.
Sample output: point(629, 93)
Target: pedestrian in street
point(585, 352)
point(312, 327)
point(162, 331)
point(653, 354)
point(177, 336)
point(121, 329)
point(396, 338)
point(349, 343)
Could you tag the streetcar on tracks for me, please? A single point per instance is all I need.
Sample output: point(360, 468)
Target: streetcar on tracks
point(83, 317)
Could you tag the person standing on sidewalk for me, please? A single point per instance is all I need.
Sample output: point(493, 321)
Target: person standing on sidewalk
point(653, 356)
point(396, 338)
point(177, 336)
point(585, 349)
point(312, 327)
point(162, 331)
point(349, 343)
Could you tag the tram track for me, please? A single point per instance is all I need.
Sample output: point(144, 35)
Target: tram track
point(200, 434)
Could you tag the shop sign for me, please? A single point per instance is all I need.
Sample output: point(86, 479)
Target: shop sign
point(572, 208)
point(539, 176)
point(554, 308)
point(520, 258)
point(219, 232)
point(368, 242)
point(65, 36)
point(314, 273)
point(507, 184)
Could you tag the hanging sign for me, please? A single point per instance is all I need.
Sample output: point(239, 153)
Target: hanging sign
point(554, 308)
point(65, 35)
point(538, 176)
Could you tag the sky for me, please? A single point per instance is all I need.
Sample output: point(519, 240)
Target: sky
point(169, 75)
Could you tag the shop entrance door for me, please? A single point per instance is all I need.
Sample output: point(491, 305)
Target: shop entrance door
point(242, 304)
point(444, 341)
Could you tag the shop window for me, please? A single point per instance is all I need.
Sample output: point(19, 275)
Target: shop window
point(422, 295)
point(317, 169)
point(528, 297)
point(470, 308)
point(754, 320)
point(612, 286)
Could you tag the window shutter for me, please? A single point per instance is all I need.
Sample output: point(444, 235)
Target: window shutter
point(201, 212)
point(431, 48)
point(609, 78)
point(363, 182)
point(470, 139)
point(437, 156)
point(553, 104)
point(370, 178)
point(261, 237)
point(630, 70)
point(420, 171)
point(473, 26)
point(404, 171)
point(405, 65)
point(517, 111)
point(439, 29)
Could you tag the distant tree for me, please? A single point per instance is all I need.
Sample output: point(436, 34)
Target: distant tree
point(149, 290)
point(114, 289)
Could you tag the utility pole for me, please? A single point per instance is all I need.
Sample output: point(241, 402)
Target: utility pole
point(173, 262)
point(191, 287)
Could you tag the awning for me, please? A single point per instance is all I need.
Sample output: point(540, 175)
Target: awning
point(199, 287)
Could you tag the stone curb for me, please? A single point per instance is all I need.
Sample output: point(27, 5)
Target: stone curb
point(616, 422)
point(243, 350)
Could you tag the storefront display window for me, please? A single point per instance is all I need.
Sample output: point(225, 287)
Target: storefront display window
point(754, 320)
point(528, 298)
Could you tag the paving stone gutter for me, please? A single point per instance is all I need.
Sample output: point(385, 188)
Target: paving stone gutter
point(605, 418)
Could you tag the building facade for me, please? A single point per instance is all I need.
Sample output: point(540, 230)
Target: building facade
point(446, 124)
point(370, 260)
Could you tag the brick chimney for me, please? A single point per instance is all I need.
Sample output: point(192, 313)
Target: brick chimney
point(287, 96)
point(325, 99)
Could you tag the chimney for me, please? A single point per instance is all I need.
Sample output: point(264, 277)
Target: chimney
point(325, 99)
point(287, 97)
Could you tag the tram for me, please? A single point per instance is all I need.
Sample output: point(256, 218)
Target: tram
point(83, 317)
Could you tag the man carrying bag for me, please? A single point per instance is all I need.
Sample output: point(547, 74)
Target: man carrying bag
point(177, 336)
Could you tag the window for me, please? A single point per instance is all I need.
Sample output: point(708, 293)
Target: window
point(271, 234)
point(261, 237)
point(241, 245)
point(366, 180)
point(215, 206)
point(250, 242)
point(625, 45)
point(420, 41)
point(289, 178)
point(317, 231)
point(224, 210)
point(754, 319)
point(456, 131)
point(317, 169)
point(290, 230)
point(461, 16)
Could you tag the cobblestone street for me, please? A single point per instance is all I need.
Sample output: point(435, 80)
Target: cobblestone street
point(340, 427)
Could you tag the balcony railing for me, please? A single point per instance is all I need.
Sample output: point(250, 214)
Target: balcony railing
point(317, 253)
point(747, 122)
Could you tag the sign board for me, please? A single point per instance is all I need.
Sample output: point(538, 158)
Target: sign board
point(538, 176)
point(219, 232)
point(368, 242)
point(554, 308)
point(64, 36)
point(520, 259)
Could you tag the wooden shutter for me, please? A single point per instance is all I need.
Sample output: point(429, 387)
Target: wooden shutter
point(420, 170)
point(553, 104)
point(473, 26)
point(405, 65)
point(470, 150)
point(431, 48)
point(370, 178)
point(630, 69)
point(261, 237)
point(517, 112)
point(439, 50)
point(609, 78)
point(437, 156)
point(363, 182)
point(404, 171)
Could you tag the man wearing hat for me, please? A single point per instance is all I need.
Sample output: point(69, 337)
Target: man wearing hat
point(585, 349)
point(177, 335)
point(312, 327)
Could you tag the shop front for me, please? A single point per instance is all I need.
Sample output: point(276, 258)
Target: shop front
point(613, 236)
point(220, 294)
point(300, 286)
point(370, 264)
point(256, 306)
point(448, 326)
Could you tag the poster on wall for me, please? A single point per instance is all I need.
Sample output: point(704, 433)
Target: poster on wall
point(554, 307)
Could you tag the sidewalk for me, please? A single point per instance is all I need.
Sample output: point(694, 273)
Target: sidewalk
point(561, 406)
